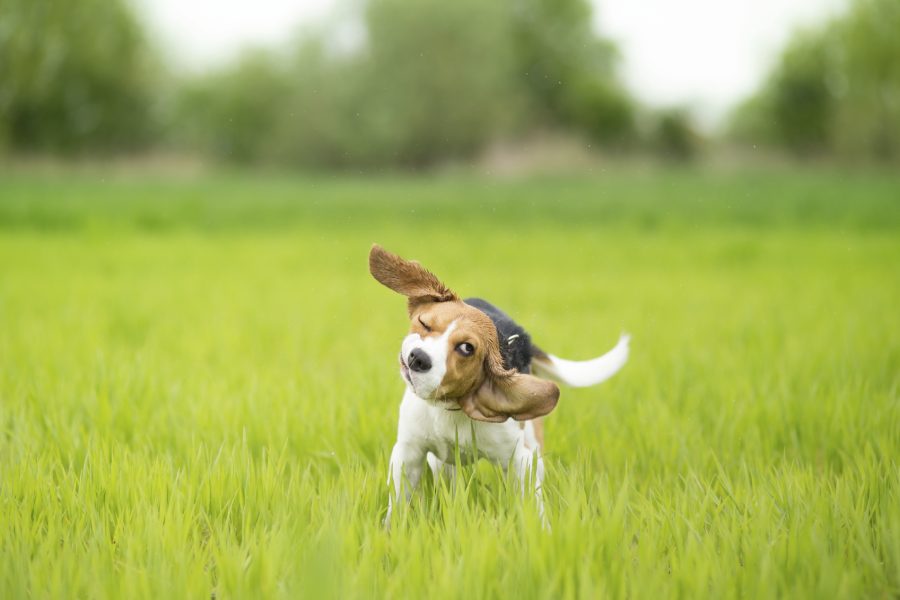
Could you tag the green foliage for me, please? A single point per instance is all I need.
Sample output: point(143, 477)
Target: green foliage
point(74, 76)
point(796, 108)
point(439, 81)
point(674, 136)
point(802, 104)
point(567, 72)
point(200, 398)
point(323, 118)
point(834, 90)
point(430, 81)
point(867, 83)
point(234, 114)
point(426, 82)
point(600, 109)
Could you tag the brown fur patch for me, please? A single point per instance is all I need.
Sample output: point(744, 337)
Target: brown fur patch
point(485, 390)
point(539, 431)
point(464, 373)
point(407, 277)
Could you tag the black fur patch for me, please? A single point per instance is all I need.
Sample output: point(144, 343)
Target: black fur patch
point(515, 343)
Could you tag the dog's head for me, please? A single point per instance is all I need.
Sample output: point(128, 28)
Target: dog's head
point(452, 355)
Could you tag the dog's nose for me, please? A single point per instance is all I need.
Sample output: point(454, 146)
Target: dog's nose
point(419, 361)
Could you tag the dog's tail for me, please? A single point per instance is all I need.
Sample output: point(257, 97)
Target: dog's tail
point(581, 373)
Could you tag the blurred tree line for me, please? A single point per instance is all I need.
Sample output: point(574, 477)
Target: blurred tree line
point(428, 81)
point(414, 83)
point(73, 76)
point(835, 90)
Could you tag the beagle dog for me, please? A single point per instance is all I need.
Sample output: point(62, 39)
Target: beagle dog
point(468, 373)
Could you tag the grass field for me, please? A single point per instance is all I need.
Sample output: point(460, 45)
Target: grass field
point(198, 386)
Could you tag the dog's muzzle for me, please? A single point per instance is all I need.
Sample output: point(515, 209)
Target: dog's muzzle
point(419, 361)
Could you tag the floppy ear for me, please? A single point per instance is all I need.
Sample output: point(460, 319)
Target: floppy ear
point(522, 397)
point(505, 394)
point(407, 277)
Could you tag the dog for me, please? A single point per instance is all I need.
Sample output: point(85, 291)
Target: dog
point(476, 385)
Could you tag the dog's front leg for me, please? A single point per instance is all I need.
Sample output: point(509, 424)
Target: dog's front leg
point(441, 470)
point(406, 464)
point(529, 466)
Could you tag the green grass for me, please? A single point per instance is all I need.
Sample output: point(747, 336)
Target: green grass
point(198, 388)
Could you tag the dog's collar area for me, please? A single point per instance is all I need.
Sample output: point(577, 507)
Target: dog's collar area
point(451, 408)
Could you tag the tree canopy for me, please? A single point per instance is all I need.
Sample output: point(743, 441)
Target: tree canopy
point(835, 89)
point(74, 76)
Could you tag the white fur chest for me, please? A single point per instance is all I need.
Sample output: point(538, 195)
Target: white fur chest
point(433, 428)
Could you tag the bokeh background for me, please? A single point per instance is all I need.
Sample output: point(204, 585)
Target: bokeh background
point(397, 85)
point(198, 378)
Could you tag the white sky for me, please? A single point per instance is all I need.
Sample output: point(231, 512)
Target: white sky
point(704, 54)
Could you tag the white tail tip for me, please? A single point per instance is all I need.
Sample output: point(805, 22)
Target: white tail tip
point(583, 373)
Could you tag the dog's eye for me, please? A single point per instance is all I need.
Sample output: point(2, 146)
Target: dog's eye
point(422, 323)
point(465, 348)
